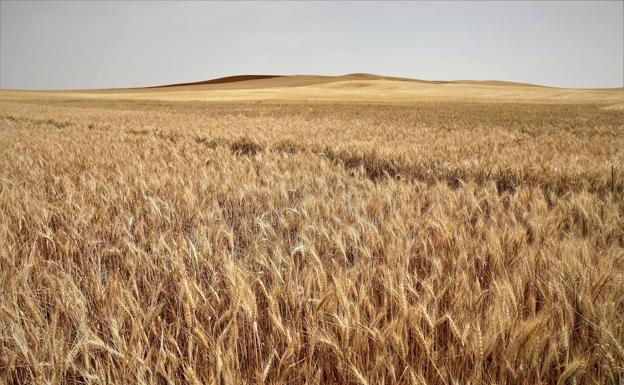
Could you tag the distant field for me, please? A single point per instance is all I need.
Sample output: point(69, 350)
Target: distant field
point(312, 230)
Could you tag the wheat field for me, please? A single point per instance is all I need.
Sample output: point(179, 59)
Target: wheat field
point(354, 231)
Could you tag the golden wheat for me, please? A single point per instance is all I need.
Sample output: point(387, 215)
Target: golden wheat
point(224, 243)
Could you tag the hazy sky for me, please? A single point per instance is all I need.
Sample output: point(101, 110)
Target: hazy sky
point(84, 44)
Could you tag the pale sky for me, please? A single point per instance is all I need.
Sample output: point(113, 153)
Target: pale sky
point(102, 44)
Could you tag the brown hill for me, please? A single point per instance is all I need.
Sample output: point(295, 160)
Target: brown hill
point(280, 81)
point(226, 79)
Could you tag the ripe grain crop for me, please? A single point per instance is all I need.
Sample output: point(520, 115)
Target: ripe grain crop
point(180, 242)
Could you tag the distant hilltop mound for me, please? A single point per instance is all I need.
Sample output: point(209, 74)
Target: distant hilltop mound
point(270, 81)
point(360, 87)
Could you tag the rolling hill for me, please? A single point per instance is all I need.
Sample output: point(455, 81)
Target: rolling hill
point(355, 87)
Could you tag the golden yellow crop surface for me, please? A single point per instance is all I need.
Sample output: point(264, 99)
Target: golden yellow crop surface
point(151, 238)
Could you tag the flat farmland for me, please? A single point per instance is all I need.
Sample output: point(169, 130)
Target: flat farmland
point(312, 230)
